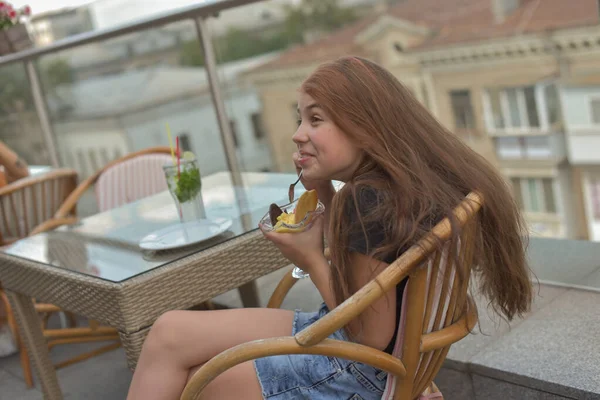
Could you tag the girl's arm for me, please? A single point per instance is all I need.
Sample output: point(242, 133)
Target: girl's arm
point(320, 275)
point(15, 168)
point(375, 327)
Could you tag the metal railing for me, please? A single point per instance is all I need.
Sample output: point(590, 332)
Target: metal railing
point(198, 14)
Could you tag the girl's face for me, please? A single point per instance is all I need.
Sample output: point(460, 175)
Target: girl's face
point(325, 151)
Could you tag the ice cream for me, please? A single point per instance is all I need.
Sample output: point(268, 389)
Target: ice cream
point(284, 222)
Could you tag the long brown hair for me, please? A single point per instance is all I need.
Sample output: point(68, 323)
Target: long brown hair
point(420, 172)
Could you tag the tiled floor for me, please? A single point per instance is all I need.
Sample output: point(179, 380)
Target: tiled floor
point(489, 353)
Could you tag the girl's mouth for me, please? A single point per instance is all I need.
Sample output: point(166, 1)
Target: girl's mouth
point(304, 158)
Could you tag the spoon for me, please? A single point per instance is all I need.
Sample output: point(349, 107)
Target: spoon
point(291, 190)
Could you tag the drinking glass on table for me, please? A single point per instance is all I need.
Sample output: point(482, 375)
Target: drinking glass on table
point(184, 184)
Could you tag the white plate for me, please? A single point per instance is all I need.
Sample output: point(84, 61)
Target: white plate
point(179, 235)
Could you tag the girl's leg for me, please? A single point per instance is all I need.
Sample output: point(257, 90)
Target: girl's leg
point(181, 340)
point(239, 382)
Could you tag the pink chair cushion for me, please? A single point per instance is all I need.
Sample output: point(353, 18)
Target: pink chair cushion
point(131, 180)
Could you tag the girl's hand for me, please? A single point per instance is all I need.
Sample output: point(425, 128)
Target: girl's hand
point(303, 249)
point(323, 187)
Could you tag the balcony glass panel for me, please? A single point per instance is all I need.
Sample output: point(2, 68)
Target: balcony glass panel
point(509, 147)
point(114, 97)
point(537, 147)
point(19, 123)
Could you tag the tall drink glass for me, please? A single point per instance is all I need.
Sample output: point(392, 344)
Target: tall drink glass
point(185, 188)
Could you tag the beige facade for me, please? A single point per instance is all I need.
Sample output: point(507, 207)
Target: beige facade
point(525, 73)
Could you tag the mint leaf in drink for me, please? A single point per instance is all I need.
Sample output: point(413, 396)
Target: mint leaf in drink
point(188, 185)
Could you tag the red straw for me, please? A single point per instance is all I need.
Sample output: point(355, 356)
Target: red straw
point(178, 158)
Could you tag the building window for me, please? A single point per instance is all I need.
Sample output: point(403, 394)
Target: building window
point(552, 104)
point(531, 105)
point(595, 111)
point(257, 126)
point(535, 194)
point(512, 97)
point(185, 142)
point(462, 109)
point(595, 186)
point(515, 108)
point(496, 109)
point(233, 127)
point(533, 202)
point(517, 192)
point(548, 190)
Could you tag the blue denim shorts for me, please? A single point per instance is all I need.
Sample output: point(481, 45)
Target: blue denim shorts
point(300, 376)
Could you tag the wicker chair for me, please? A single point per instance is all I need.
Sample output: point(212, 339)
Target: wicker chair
point(29, 202)
point(27, 207)
point(129, 178)
point(436, 312)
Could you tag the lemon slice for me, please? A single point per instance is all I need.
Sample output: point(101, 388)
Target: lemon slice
point(188, 156)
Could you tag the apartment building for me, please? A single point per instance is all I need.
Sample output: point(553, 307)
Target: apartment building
point(492, 71)
point(581, 109)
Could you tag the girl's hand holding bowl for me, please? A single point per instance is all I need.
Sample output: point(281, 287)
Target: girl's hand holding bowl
point(297, 229)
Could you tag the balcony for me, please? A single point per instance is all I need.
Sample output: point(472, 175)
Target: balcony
point(521, 151)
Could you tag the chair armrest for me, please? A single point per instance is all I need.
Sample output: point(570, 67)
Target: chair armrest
point(287, 345)
point(282, 289)
point(52, 224)
point(453, 333)
point(70, 202)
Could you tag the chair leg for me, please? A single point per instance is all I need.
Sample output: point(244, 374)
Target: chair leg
point(87, 355)
point(71, 319)
point(25, 364)
point(23, 354)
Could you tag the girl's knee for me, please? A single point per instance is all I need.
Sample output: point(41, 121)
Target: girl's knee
point(166, 332)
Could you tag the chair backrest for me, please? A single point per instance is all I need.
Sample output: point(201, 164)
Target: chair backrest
point(29, 202)
point(435, 298)
point(131, 179)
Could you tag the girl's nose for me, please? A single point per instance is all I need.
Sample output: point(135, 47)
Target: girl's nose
point(300, 135)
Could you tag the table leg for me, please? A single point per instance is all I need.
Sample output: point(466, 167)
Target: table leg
point(31, 332)
point(249, 295)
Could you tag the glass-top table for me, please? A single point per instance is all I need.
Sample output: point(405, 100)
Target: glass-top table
point(106, 245)
point(96, 268)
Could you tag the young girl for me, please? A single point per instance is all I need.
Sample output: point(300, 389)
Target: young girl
point(403, 173)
